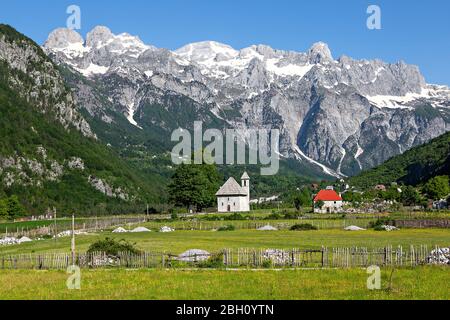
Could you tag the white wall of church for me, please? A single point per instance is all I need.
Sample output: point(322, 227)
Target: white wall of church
point(233, 204)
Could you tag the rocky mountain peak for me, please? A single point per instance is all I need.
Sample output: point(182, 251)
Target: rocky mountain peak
point(206, 50)
point(98, 36)
point(319, 52)
point(333, 114)
point(63, 37)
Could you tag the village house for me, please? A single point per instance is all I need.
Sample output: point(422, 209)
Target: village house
point(233, 197)
point(332, 201)
point(380, 187)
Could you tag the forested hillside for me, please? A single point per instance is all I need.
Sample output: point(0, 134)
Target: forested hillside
point(414, 167)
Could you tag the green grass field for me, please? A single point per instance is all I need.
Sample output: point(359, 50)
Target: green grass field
point(180, 241)
point(419, 283)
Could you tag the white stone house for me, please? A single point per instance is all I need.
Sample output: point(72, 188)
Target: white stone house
point(332, 201)
point(233, 197)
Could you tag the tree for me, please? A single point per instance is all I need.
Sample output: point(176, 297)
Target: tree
point(319, 204)
point(112, 247)
point(353, 197)
point(302, 199)
point(437, 188)
point(15, 208)
point(194, 185)
point(391, 194)
point(410, 196)
point(3, 208)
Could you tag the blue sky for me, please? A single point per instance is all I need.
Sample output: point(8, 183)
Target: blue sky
point(417, 32)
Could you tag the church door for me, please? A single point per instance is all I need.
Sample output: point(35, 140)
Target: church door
point(229, 208)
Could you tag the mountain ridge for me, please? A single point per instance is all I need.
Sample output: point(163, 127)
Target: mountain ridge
point(46, 156)
point(307, 94)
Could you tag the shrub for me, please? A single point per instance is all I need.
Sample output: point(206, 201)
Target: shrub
point(215, 262)
point(267, 264)
point(274, 216)
point(376, 225)
point(228, 227)
point(112, 247)
point(211, 217)
point(303, 227)
point(379, 228)
point(292, 215)
point(235, 216)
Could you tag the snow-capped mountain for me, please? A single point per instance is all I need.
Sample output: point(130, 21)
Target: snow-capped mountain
point(341, 115)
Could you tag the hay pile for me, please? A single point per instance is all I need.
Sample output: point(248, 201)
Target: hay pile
point(267, 228)
point(140, 229)
point(354, 228)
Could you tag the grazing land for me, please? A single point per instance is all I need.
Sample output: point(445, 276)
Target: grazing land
point(116, 284)
point(423, 282)
point(179, 241)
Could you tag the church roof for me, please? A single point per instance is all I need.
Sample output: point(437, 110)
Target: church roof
point(231, 188)
point(245, 176)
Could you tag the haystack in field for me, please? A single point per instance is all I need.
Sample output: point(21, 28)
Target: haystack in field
point(354, 228)
point(140, 229)
point(24, 239)
point(267, 228)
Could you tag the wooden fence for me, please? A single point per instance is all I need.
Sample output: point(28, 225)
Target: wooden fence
point(88, 225)
point(252, 225)
point(422, 223)
point(231, 258)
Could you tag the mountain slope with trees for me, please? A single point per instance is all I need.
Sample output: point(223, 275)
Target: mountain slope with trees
point(49, 156)
point(414, 167)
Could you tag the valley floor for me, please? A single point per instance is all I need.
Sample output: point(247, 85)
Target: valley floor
point(117, 284)
point(180, 241)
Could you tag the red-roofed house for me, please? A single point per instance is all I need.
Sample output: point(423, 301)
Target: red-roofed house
point(332, 201)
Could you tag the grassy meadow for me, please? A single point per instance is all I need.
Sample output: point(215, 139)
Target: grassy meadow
point(179, 241)
point(407, 283)
point(117, 284)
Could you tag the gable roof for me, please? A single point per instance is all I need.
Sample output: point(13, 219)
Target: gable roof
point(231, 188)
point(245, 176)
point(327, 195)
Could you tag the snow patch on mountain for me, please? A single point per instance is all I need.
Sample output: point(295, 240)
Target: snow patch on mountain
point(130, 115)
point(288, 70)
point(301, 155)
point(93, 69)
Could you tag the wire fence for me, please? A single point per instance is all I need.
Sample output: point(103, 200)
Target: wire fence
point(86, 225)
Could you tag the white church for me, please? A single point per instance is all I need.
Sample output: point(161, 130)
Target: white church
point(233, 197)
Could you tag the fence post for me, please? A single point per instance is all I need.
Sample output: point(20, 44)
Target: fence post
point(323, 262)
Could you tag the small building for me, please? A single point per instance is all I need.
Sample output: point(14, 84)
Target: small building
point(233, 197)
point(332, 201)
point(380, 187)
point(440, 204)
